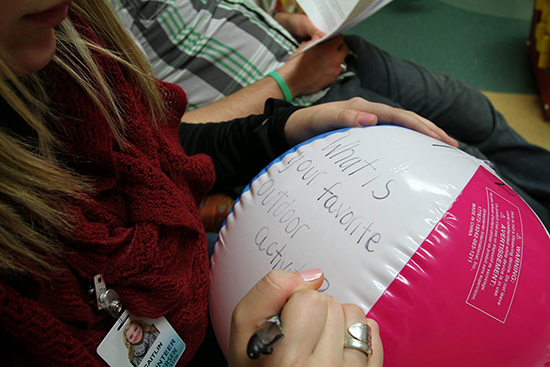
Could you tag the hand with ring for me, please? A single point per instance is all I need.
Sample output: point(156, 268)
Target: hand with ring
point(363, 341)
point(318, 330)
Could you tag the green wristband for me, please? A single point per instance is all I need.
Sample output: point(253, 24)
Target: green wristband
point(282, 84)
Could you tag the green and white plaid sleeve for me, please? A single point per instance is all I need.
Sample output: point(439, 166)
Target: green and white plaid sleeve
point(211, 48)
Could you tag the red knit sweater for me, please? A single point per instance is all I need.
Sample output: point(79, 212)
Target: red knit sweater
point(141, 229)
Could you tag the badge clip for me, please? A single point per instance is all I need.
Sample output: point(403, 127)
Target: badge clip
point(107, 299)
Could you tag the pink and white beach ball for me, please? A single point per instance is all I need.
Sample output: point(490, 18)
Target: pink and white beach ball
point(428, 240)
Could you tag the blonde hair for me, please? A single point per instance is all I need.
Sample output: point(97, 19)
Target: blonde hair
point(35, 188)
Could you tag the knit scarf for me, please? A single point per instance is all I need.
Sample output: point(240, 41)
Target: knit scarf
point(140, 350)
point(140, 229)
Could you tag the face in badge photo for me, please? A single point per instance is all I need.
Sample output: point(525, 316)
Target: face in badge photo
point(138, 338)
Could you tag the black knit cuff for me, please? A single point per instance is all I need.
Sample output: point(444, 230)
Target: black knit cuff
point(271, 133)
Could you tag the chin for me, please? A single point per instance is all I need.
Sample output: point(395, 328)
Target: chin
point(36, 55)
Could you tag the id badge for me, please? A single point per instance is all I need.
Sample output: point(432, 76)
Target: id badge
point(138, 342)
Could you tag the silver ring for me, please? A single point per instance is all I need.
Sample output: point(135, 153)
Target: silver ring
point(343, 67)
point(360, 338)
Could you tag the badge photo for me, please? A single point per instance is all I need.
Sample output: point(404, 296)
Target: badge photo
point(135, 342)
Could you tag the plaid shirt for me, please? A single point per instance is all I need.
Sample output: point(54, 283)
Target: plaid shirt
point(211, 48)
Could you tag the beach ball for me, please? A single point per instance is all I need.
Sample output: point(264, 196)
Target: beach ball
point(428, 240)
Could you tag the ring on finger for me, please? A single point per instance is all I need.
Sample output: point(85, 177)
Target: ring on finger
point(360, 338)
point(343, 67)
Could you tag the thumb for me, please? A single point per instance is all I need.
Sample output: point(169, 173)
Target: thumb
point(270, 294)
point(265, 299)
point(309, 122)
point(310, 29)
point(334, 119)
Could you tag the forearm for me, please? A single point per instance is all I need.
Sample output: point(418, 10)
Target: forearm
point(247, 101)
point(240, 148)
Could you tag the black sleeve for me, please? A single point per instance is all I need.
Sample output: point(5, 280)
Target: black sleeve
point(240, 148)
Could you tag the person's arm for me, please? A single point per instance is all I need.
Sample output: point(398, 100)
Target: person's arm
point(247, 101)
point(307, 73)
point(243, 147)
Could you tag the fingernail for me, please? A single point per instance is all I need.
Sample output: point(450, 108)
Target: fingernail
point(311, 274)
point(366, 119)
